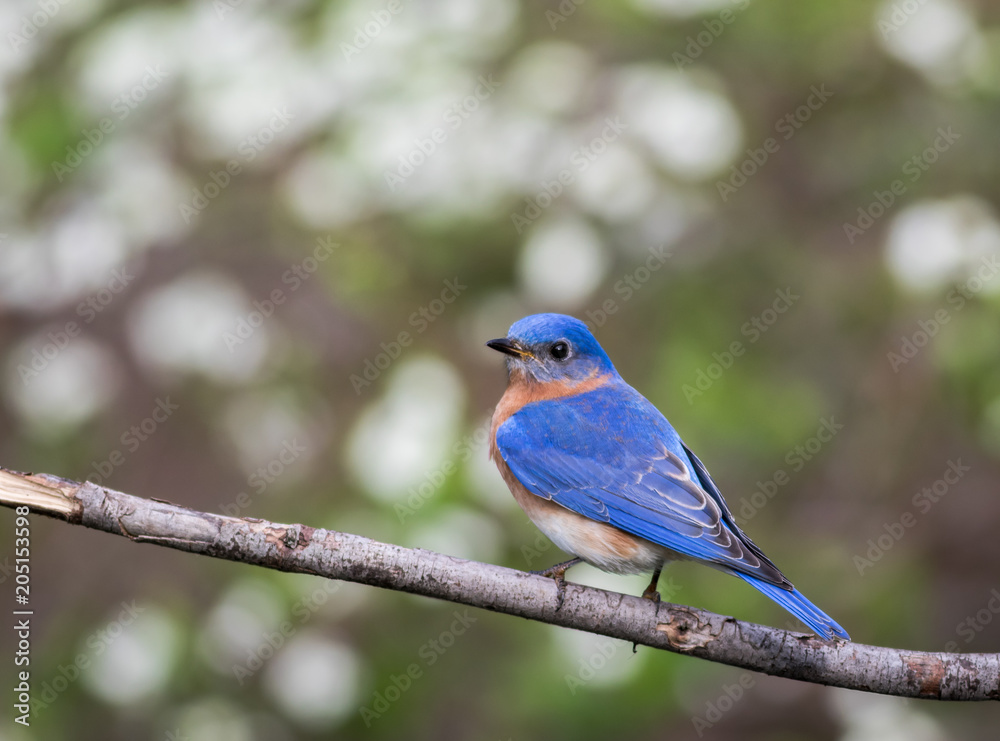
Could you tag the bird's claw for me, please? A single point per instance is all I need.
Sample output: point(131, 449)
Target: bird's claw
point(560, 591)
point(558, 574)
point(650, 592)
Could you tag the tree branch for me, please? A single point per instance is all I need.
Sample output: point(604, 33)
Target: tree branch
point(687, 630)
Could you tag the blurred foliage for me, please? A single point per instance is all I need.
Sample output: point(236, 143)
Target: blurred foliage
point(319, 211)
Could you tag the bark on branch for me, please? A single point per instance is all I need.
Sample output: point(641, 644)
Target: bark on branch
point(334, 555)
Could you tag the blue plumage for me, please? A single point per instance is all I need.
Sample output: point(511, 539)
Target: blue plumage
point(571, 432)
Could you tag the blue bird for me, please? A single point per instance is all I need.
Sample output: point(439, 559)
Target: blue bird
point(604, 475)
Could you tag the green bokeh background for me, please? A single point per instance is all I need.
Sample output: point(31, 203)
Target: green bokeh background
point(700, 87)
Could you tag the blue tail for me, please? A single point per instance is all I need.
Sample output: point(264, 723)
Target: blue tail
point(793, 601)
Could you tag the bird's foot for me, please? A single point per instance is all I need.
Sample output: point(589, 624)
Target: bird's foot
point(558, 573)
point(651, 594)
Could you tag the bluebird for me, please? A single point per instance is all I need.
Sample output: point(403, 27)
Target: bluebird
point(603, 474)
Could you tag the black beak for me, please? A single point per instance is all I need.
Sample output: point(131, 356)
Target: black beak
point(508, 347)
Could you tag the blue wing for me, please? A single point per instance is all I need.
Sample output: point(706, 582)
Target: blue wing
point(611, 456)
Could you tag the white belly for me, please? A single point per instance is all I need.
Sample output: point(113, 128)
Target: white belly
point(601, 545)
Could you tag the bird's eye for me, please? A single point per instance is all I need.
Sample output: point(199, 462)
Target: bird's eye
point(560, 350)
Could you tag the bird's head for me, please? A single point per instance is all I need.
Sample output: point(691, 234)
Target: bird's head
point(552, 347)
